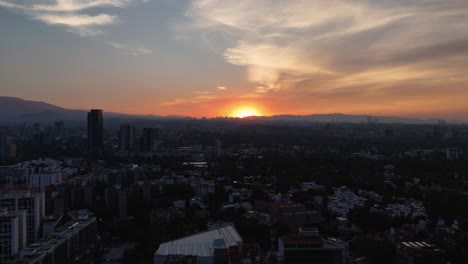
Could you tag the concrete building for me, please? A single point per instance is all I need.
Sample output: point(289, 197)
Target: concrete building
point(13, 174)
point(34, 205)
point(419, 253)
point(64, 243)
point(12, 233)
point(210, 247)
point(300, 219)
point(309, 247)
point(50, 223)
point(38, 173)
point(452, 153)
point(44, 178)
point(203, 187)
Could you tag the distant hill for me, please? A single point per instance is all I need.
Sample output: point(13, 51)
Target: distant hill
point(12, 106)
point(14, 109)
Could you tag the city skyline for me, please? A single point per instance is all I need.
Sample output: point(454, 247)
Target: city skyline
point(213, 58)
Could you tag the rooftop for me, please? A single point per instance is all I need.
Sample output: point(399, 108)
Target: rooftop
point(202, 244)
point(303, 240)
point(418, 246)
point(40, 248)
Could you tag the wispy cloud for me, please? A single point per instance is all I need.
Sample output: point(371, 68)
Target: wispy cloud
point(78, 17)
point(77, 20)
point(189, 101)
point(77, 5)
point(11, 5)
point(75, 15)
point(330, 46)
point(136, 50)
point(221, 88)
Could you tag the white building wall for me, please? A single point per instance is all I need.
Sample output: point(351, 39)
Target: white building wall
point(14, 236)
point(42, 180)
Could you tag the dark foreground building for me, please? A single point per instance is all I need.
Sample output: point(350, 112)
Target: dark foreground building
point(65, 243)
point(419, 253)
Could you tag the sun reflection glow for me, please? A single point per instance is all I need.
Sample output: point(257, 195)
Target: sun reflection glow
point(245, 112)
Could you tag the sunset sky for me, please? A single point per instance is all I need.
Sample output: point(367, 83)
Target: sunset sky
point(211, 58)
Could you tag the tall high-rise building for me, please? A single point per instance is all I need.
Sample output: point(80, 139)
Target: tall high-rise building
point(150, 139)
point(126, 138)
point(95, 132)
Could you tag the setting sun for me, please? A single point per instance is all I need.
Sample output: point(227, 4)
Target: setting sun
point(245, 111)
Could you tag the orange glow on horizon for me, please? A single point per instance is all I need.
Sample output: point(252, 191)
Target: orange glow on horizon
point(245, 112)
point(244, 109)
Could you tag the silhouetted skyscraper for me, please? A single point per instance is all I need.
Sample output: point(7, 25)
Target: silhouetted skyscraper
point(95, 132)
point(126, 138)
point(150, 139)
